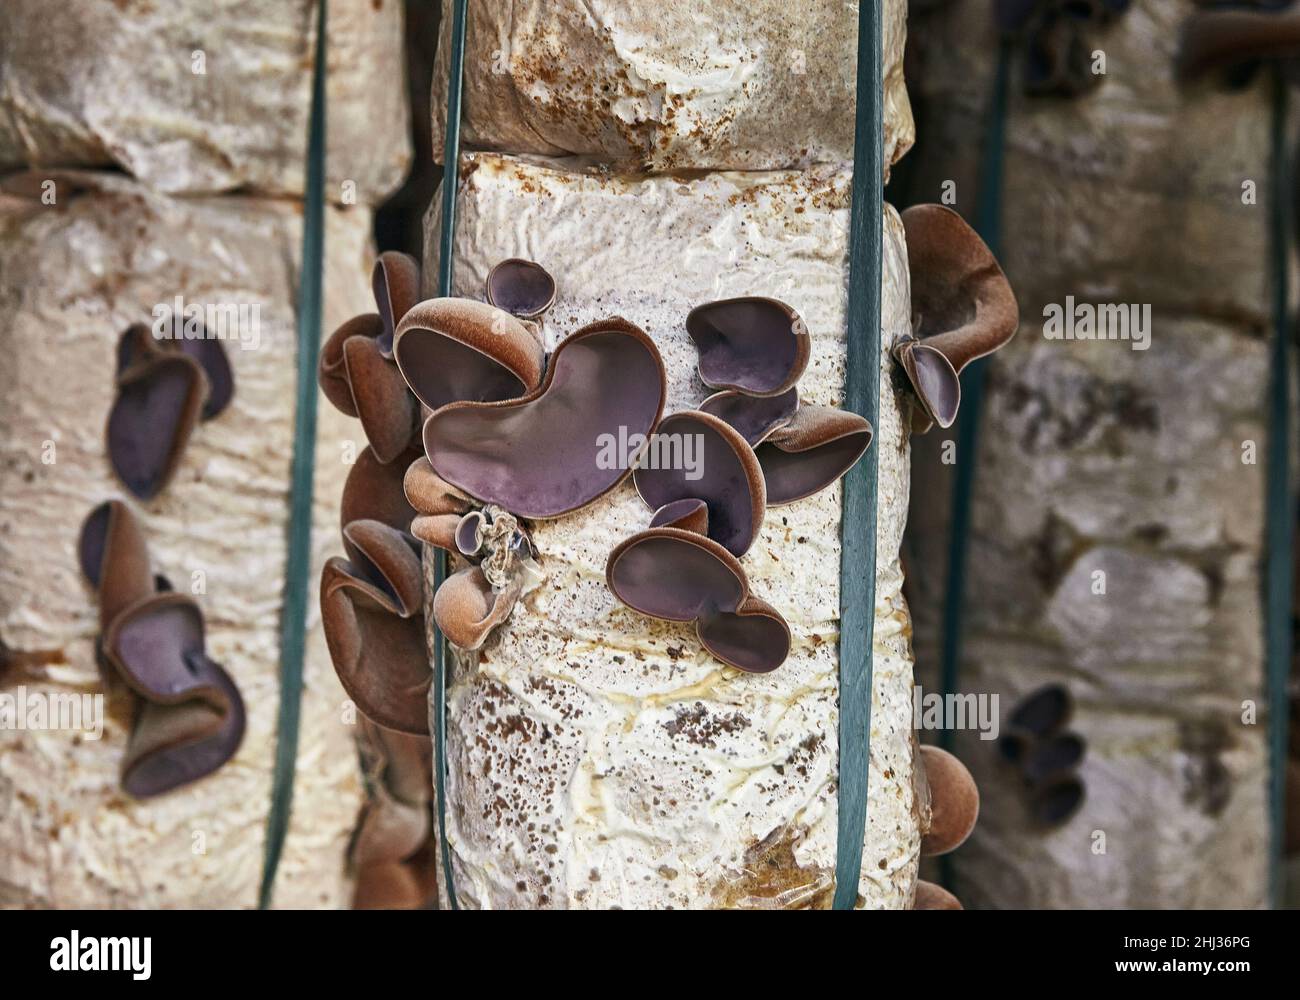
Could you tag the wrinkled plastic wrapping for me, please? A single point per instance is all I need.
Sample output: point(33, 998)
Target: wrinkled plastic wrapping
point(1106, 469)
point(204, 95)
point(73, 276)
point(598, 758)
point(666, 85)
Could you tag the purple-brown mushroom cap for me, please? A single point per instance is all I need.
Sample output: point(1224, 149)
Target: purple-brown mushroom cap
point(1043, 711)
point(755, 345)
point(954, 801)
point(801, 448)
point(1052, 757)
point(396, 283)
point(161, 395)
point(962, 306)
point(190, 717)
point(678, 575)
point(374, 491)
point(522, 288)
point(1055, 803)
point(454, 350)
point(371, 605)
point(542, 455)
point(356, 377)
point(724, 473)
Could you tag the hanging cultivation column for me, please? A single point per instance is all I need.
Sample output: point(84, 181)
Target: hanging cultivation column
point(163, 111)
point(642, 708)
point(1113, 589)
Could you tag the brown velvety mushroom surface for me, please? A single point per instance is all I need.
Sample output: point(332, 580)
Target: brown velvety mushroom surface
point(190, 718)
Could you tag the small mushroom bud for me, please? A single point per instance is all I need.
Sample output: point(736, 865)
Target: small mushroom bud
point(954, 801)
point(467, 609)
point(520, 287)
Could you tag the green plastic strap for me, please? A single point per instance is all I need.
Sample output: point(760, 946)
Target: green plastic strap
point(293, 617)
point(1281, 497)
point(858, 528)
point(450, 182)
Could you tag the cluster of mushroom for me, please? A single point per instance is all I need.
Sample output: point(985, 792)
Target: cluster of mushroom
point(759, 445)
point(1057, 39)
point(372, 604)
point(1047, 756)
point(189, 718)
point(165, 387)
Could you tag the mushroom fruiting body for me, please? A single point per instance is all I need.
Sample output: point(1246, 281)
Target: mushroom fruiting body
point(755, 345)
point(954, 801)
point(357, 373)
point(727, 479)
point(459, 350)
point(165, 387)
point(371, 611)
point(1227, 38)
point(801, 448)
point(191, 717)
point(679, 575)
point(962, 308)
point(539, 456)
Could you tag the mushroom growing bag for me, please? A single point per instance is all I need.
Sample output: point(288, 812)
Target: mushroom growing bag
point(598, 757)
point(671, 84)
point(203, 96)
point(74, 274)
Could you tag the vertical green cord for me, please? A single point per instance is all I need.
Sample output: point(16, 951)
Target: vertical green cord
point(1281, 498)
point(858, 527)
point(988, 222)
point(293, 617)
point(450, 181)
